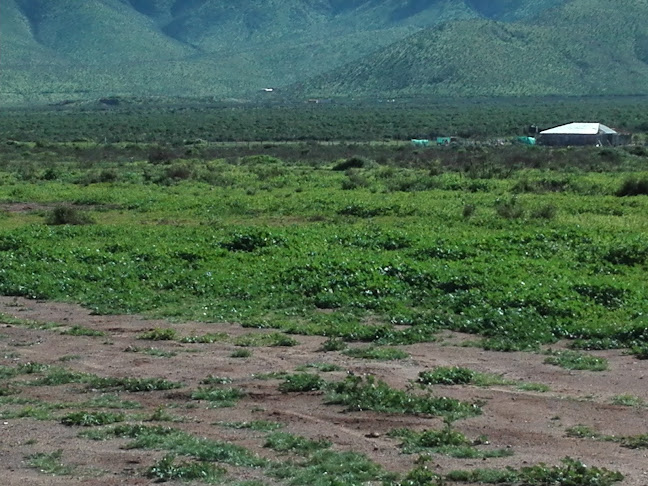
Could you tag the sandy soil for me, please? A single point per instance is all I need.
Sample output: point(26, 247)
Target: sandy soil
point(533, 424)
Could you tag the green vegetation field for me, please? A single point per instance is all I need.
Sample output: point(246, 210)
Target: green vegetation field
point(381, 244)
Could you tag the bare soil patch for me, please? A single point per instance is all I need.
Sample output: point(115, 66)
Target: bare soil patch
point(532, 424)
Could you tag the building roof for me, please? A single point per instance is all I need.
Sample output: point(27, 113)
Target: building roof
point(579, 129)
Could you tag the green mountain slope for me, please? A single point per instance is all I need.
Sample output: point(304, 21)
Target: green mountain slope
point(70, 49)
point(583, 47)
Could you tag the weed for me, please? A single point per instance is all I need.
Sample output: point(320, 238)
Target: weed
point(369, 394)
point(274, 339)
point(635, 442)
point(572, 472)
point(166, 469)
point(445, 441)
point(582, 432)
point(334, 344)
point(92, 419)
point(82, 331)
point(260, 425)
point(326, 467)
point(284, 442)
point(162, 415)
point(573, 360)
point(302, 382)
point(628, 401)
point(447, 376)
point(206, 338)
point(321, 367)
point(177, 442)
point(218, 397)
point(59, 376)
point(158, 334)
point(131, 384)
point(371, 352)
point(50, 463)
point(241, 353)
point(69, 357)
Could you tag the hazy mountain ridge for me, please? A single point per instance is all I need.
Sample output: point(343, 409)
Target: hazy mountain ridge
point(60, 49)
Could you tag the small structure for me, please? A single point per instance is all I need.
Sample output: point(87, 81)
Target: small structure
point(595, 134)
point(446, 140)
point(526, 140)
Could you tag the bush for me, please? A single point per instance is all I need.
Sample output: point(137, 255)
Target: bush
point(61, 215)
point(352, 163)
point(633, 187)
point(510, 209)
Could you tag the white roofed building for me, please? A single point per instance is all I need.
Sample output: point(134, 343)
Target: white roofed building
point(595, 134)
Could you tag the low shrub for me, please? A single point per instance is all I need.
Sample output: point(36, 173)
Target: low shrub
point(633, 187)
point(62, 215)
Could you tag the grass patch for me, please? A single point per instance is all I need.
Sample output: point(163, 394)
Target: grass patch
point(82, 331)
point(629, 401)
point(574, 360)
point(446, 441)
point(377, 353)
point(368, 394)
point(331, 468)
point(92, 419)
point(571, 472)
point(66, 215)
point(455, 375)
point(175, 441)
point(50, 463)
point(274, 339)
point(321, 367)
point(302, 382)
point(284, 442)
point(218, 397)
point(166, 469)
point(241, 353)
point(258, 425)
point(205, 338)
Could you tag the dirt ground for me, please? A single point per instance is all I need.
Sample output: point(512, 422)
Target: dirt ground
point(533, 424)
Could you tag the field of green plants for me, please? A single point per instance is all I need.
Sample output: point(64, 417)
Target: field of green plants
point(390, 245)
point(519, 257)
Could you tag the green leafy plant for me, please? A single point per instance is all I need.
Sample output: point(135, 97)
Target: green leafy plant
point(284, 442)
point(573, 360)
point(92, 419)
point(166, 469)
point(50, 463)
point(302, 382)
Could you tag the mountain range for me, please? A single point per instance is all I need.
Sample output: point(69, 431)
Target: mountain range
point(54, 50)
